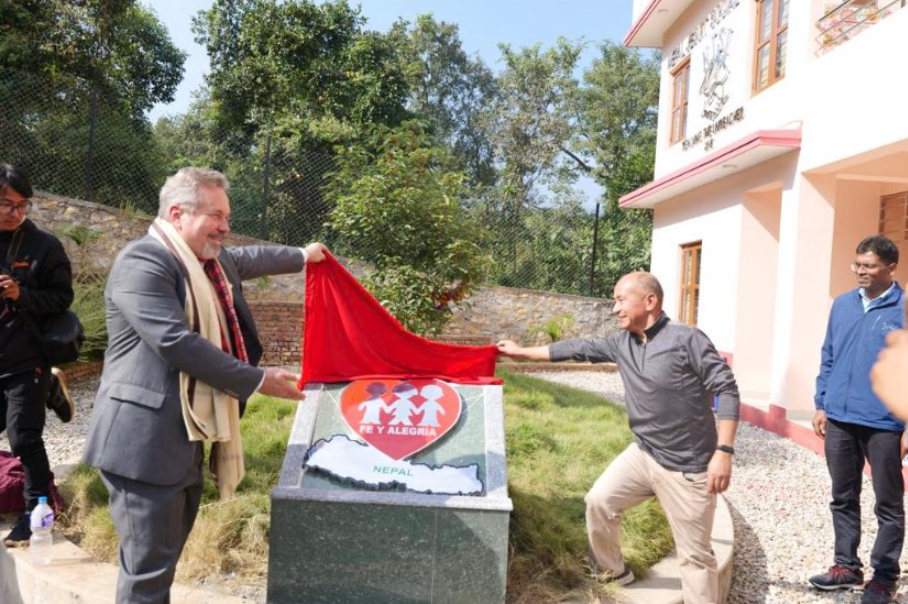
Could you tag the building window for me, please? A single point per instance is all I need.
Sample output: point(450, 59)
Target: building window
point(771, 43)
point(691, 254)
point(894, 216)
point(680, 88)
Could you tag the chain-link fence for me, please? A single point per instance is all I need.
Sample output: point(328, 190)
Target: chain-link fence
point(76, 142)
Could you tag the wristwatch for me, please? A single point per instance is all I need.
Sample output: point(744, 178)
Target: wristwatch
point(726, 449)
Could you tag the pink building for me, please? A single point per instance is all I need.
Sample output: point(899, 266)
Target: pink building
point(783, 141)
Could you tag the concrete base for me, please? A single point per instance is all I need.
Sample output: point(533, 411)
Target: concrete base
point(353, 553)
point(74, 576)
point(333, 542)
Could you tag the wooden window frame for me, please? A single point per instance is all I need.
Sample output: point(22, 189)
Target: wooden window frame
point(772, 41)
point(683, 103)
point(894, 209)
point(692, 288)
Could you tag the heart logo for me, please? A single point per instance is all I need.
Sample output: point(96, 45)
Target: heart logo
point(400, 417)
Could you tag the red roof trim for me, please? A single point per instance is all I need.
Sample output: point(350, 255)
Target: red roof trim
point(776, 138)
point(635, 28)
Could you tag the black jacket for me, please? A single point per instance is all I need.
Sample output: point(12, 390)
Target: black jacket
point(42, 270)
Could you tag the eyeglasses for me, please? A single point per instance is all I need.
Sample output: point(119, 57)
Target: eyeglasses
point(8, 207)
point(870, 269)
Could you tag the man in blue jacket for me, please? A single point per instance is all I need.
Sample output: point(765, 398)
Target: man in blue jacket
point(856, 426)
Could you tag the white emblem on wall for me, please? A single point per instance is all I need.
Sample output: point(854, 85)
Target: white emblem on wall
point(715, 73)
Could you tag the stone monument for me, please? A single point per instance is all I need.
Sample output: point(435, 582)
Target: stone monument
point(392, 492)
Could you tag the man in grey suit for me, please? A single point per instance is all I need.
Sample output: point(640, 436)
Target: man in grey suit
point(138, 434)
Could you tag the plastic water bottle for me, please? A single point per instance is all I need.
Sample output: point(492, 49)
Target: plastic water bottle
point(42, 524)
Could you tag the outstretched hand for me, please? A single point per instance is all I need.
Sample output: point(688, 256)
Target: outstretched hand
point(508, 348)
point(281, 384)
point(316, 252)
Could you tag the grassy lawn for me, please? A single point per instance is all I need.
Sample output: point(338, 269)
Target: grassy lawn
point(558, 440)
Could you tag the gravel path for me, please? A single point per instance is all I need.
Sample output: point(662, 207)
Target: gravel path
point(64, 442)
point(779, 500)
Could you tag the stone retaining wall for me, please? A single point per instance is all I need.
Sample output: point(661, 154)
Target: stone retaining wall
point(512, 313)
point(118, 227)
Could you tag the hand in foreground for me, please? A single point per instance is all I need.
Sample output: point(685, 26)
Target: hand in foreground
point(889, 377)
point(508, 348)
point(316, 252)
point(718, 473)
point(819, 423)
point(281, 384)
point(9, 289)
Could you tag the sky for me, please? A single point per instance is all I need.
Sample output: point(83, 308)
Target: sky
point(483, 25)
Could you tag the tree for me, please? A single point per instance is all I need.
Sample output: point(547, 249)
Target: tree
point(530, 125)
point(618, 109)
point(300, 66)
point(289, 82)
point(117, 46)
point(76, 77)
point(451, 91)
point(532, 120)
point(399, 208)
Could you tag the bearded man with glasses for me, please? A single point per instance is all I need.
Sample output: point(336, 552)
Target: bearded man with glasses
point(35, 282)
point(856, 426)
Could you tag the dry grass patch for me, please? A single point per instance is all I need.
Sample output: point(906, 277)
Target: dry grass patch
point(229, 537)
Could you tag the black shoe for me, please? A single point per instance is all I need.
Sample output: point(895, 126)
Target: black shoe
point(625, 578)
point(21, 533)
point(58, 399)
point(605, 576)
point(879, 591)
point(838, 577)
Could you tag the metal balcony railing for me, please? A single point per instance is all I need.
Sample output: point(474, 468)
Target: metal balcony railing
point(846, 20)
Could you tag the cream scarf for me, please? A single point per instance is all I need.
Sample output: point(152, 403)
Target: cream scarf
point(210, 415)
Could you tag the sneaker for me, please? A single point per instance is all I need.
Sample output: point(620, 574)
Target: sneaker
point(879, 591)
point(58, 399)
point(625, 578)
point(838, 577)
point(20, 533)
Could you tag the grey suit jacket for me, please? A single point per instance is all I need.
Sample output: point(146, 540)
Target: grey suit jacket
point(137, 428)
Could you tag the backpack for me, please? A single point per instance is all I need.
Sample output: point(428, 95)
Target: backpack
point(12, 486)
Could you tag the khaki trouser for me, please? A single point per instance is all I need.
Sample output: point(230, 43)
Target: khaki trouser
point(632, 478)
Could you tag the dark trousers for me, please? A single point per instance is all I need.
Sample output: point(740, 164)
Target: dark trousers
point(153, 523)
point(22, 400)
point(847, 446)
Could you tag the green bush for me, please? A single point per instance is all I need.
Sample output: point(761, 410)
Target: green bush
point(554, 329)
point(88, 305)
point(398, 207)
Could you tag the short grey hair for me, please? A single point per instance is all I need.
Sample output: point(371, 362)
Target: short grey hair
point(182, 189)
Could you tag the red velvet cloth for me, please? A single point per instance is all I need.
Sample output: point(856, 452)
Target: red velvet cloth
point(349, 336)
